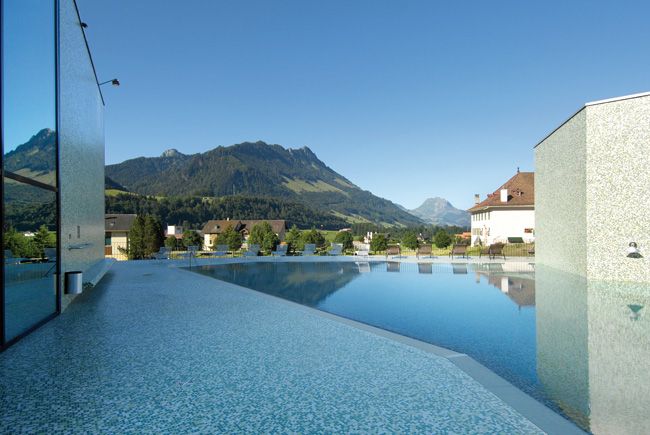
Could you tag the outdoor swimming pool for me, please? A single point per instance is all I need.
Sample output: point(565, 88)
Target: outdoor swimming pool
point(579, 347)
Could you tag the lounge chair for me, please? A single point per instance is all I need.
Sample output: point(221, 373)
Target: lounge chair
point(362, 250)
point(220, 250)
point(280, 250)
point(162, 254)
point(191, 252)
point(492, 251)
point(364, 267)
point(393, 266)
point(459, 268)
point(10, 259)
point(309, 249)
point(337, 249)
point(423, 251)
point(50, 254)
point(531, 251)
point(394, 251)
point(458, 250)
point(252, 251)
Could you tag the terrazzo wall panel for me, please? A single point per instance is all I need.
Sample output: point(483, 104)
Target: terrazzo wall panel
point(81, 133)
point(592, 190)
point(560, 189)
point(618, 189)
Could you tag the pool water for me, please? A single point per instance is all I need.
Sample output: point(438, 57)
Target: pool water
point(571, 344)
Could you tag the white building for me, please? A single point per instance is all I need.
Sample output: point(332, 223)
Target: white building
point(509, 212)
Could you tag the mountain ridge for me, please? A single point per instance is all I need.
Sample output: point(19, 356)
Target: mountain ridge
point(439, 211)
point(258, 169)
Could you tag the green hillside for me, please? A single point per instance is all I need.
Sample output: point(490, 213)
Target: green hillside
point(260, 170)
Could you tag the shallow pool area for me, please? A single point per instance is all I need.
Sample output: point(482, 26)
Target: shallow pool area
point(581, 348)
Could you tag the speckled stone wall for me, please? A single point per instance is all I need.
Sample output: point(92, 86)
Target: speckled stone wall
point(81, 134)
point(618, 189)
point(560, 194)
point(592, 186)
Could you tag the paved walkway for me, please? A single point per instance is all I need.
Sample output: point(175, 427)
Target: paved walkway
point(155, 349)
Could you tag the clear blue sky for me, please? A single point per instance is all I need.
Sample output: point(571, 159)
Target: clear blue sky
point(408, 99)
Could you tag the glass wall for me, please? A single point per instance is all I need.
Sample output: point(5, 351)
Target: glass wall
point(29, 165)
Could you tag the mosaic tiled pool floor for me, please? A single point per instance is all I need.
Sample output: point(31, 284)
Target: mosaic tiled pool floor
point(153, 349)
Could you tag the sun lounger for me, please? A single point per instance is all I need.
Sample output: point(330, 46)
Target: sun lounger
point(309, 249)
point(363, 267)
point(394, 251)
point(393, 266)
point(252, 251)
point(50, 254)
point(459, 268)
point(423, 251)
point(10, 259)
point(362, 250)
point(221, 251)
point(280, 251)
point(162, 254)
point(492, 251)
point(337, 249)
point(458, 250)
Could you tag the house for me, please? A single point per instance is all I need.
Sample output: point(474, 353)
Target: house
point(508, 213)
point(116, 228)
point(213, 228)
point(174, 230)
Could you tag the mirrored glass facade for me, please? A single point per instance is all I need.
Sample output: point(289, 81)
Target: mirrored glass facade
point(30, 196)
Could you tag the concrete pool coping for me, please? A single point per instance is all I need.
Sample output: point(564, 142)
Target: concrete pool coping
point(537, 413)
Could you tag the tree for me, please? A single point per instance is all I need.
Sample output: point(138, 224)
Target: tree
point(43, 239)
point(313, 236)
point(442, 239)
point(135, 249)
point(294, 239)
point(192, 238)
point(262, 234)
point(231, 238)
point(410, 240)
point(171, 242)
point(378, 243)
point(345, 238)
point(153, 235)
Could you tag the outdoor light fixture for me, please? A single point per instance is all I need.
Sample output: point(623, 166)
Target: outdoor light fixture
point(84, 25)
point(114, 82)
point(633, 251)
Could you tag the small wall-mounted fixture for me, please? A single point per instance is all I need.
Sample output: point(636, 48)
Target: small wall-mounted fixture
point(84, 25)
point(635, 311)
point(114, 82)
point(633, 251)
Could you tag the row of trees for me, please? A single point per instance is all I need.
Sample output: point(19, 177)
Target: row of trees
point(193, 212)
point(29, 246)
point(410, 240)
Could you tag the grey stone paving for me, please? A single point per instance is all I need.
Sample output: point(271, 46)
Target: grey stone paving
point(154, 349)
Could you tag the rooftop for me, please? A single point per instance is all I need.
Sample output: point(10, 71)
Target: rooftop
point(161, 349)
point(521, 192)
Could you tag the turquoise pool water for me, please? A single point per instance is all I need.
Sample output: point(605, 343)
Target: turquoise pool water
point(576, 346)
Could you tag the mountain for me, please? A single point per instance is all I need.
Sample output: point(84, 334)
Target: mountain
point(439, 211)
point(260, 170)
point(36, 158)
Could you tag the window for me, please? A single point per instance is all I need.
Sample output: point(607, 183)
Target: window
point(30, 149)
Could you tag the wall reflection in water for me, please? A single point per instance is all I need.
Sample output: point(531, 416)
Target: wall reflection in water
point(593, 350)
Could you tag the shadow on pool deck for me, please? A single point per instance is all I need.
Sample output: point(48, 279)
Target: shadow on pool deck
point(154, 349)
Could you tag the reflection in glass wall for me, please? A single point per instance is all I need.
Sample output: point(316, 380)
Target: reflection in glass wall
point(29, 161)
point(29, 235)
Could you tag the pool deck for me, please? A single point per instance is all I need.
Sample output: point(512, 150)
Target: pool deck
point(154, 348)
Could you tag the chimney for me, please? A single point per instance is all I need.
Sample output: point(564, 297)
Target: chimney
point(477, 198)
point(504, 195)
